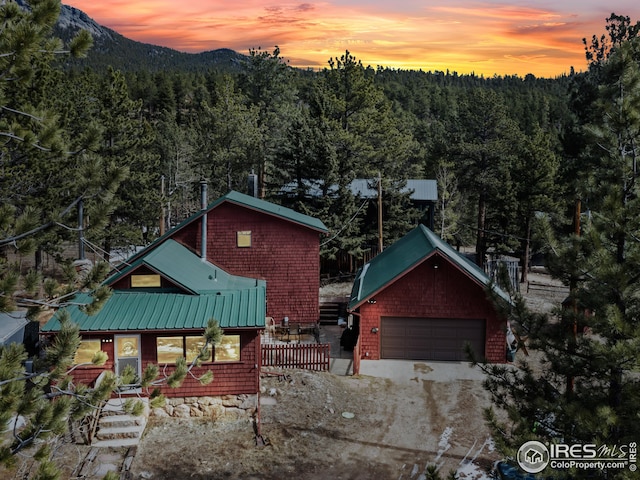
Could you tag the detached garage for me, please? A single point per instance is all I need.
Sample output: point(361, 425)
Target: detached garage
point(421, 300)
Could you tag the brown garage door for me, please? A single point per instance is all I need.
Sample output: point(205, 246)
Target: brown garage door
point(430, 338)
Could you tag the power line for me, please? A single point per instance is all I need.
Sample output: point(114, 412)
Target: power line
point(346, 224)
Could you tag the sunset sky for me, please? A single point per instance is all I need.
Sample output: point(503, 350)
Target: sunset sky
point(541, 37)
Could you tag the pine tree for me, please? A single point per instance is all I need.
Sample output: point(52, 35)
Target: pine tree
point(485, 151)
point(229, 136)
point(268, 83)
point(583, 387)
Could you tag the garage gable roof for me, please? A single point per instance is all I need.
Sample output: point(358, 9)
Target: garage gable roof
point(139, 311)
point(186, 269)
point(411, 250)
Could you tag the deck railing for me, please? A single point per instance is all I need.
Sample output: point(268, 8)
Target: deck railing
point(307, 356)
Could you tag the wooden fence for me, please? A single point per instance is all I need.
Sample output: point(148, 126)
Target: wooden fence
point(492, 266)
point(307, 356)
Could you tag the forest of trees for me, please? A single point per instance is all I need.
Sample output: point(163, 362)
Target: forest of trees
point(520, 162)
point(502, 149)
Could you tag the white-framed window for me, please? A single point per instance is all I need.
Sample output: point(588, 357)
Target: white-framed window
point(243, 239)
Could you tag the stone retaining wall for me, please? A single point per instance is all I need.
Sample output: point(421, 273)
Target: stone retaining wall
point(227, 407)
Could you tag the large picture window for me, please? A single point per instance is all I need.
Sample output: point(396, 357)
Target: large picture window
point(193, 347)
point(229, 349)
point(168, 349)
point(86, 351)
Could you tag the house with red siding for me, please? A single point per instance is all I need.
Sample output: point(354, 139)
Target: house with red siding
point(158, 311)
point(251, 237)
point(238, 260)
point(422, 300)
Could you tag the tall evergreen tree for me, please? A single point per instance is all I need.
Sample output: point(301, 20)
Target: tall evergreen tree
point(534, 176)
point(585, 388)
point(485, 150)
point(125, 141)
point(268, 83)
point(229, 136)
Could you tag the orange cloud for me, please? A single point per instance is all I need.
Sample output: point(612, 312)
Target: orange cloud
point(483, 37)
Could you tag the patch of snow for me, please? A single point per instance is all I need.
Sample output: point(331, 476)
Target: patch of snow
point(468, 470)
point(444, 442)
point(471, 471)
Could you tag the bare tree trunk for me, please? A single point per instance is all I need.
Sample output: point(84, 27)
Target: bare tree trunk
point(481, 240)
point(526, 252)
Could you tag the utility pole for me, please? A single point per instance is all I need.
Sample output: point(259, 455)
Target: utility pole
point(574, 301)
point(380, 243)
point(162, 210)
point(81, 255)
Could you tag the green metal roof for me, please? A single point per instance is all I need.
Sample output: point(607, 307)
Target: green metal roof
point(270, 209)
point(186, 269)
point(236, 302)
point(138, 311)
point(246, 201)
point(411, 250)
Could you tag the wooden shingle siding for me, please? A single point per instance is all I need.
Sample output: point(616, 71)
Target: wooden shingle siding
point(285, 254)
point(237, 377)
point(440, 293)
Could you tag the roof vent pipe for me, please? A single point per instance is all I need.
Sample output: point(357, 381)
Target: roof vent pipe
point(203, 205)
point(252, 185)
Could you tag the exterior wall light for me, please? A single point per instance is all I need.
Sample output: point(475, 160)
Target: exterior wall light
point(374, 330)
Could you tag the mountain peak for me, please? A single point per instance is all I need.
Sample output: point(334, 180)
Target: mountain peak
point(112, 49)
point(74, 19)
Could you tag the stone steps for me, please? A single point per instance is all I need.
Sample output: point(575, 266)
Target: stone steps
point(119, 429)
point(125, 420)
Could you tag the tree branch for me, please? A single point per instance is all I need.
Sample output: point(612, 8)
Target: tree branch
point(14, 238)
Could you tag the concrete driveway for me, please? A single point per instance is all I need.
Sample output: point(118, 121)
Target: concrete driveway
point(399, 370)
point(414, 370)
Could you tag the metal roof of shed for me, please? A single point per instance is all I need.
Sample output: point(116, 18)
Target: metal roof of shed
point(183, 267)
point(411, 250)
point(421, 190)
point(139, 311)
point(11, 323)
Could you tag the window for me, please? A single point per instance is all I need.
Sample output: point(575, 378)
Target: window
point(170, 348)
point(127, 347)
point(86, 351)
point(142, 281)
point(244, 238)
point(229, 349)
point(193, 348)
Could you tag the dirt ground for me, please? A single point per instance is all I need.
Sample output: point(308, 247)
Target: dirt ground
point(325, 426)
point(321, 426)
